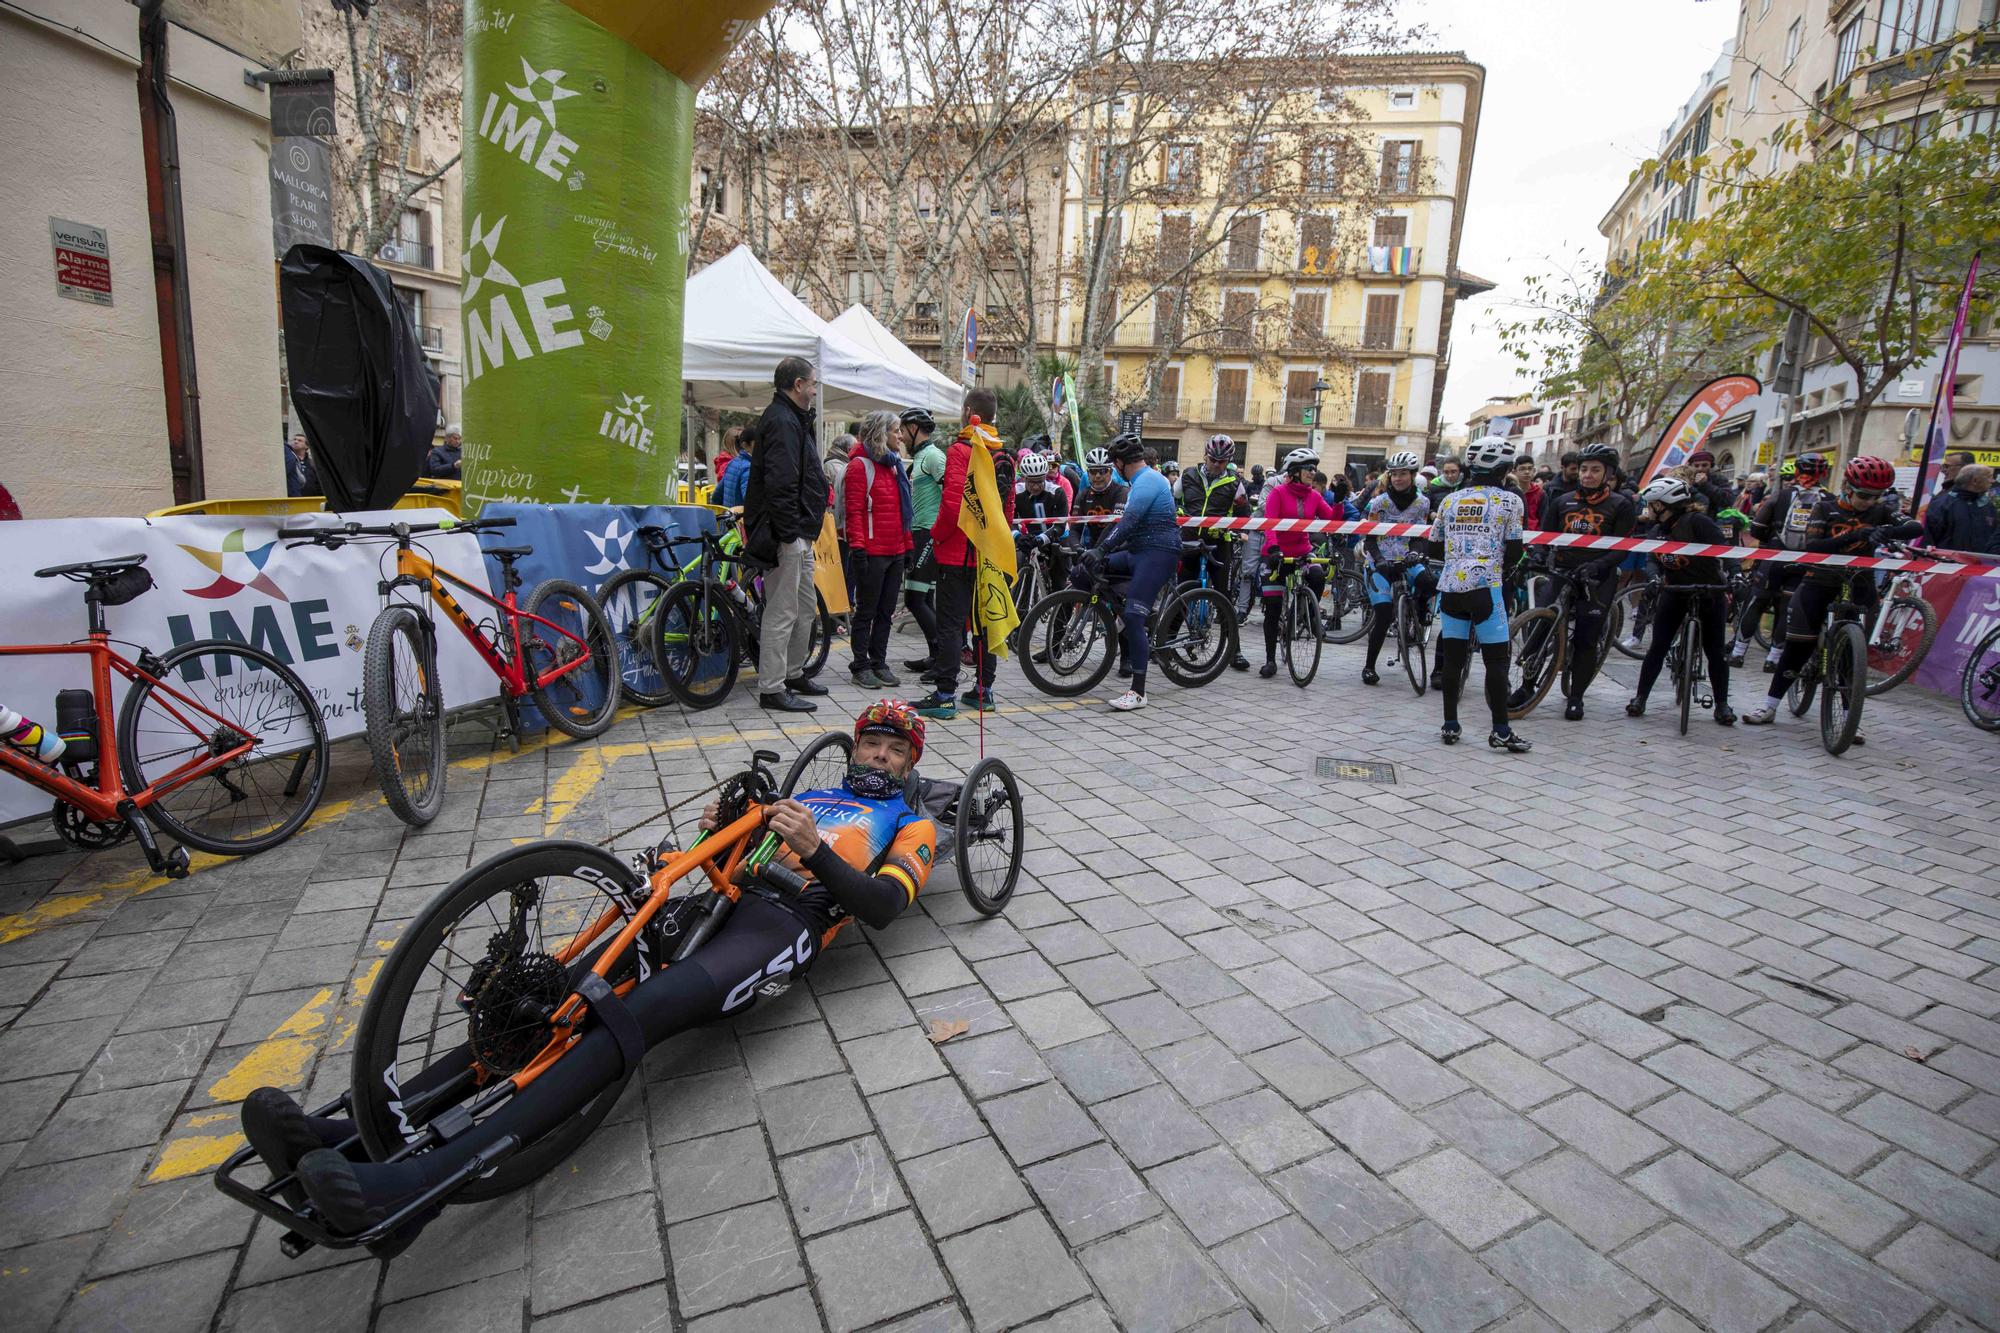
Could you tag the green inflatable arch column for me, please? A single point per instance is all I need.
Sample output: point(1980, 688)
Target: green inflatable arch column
point(578, 132)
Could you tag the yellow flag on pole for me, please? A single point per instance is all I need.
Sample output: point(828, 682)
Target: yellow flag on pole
point(983, 519)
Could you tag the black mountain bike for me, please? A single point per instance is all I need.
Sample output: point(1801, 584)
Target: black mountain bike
point(1544, 645)
point(1686, 661)
point(1837, 670)
point(1979, 683)
point(1069, 639)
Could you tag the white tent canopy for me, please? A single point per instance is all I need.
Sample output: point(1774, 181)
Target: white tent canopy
point(946, 396)
point(741, 321)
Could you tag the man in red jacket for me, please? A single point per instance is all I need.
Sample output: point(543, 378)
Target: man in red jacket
point(958, 563)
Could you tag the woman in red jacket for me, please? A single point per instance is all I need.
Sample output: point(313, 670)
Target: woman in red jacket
point(876, 501)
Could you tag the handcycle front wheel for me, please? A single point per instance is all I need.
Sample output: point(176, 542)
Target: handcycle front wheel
point(821, 766)
point(1194, 637)
point(206, 699)
point(1844, 688)
point(1536, 658)
point(460, 1001)
point(583, 700)
point(404, 708)
point(990, 826)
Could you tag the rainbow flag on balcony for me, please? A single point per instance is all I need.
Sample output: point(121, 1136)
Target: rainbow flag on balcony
point(1399, 260)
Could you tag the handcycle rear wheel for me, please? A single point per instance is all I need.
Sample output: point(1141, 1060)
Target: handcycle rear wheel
point(1194, 637)
point(1299, 637)
point(404, 706)
point(1536, 659)
point(630, 600)
point(1068, 642)
point(470, 977)
point(990, 829)
point(583, 700)
point(251, 804)
point(1845, 688)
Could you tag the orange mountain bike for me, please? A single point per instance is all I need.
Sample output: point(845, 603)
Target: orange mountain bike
point(556, 648)
point(217, 742)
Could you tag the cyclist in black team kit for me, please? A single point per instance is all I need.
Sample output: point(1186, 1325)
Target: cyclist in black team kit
point(1213, 490)
point(1594, 509)
point(863, 852)
point(1041, 498)
point(1103, 497)
point(1673, 505)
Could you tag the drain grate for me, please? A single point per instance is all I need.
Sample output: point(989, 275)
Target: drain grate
point(1354, 770)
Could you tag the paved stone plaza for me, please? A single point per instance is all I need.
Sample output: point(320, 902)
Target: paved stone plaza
point(1633, 1031)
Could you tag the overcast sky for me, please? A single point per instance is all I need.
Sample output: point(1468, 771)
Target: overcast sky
point(1577, 92)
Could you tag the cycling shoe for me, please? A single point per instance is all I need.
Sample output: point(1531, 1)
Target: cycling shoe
point(1510, 742)
point(282, 1133)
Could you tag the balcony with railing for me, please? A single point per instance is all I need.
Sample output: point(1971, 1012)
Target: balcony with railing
point(1368, 416)
point(1392, 261)
point(414, 254)
point(431, 336)
point(1371, 337)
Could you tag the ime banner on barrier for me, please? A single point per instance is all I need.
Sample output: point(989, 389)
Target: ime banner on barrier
point(216, 577)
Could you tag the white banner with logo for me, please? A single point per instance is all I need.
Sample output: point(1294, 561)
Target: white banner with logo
point(227, 577)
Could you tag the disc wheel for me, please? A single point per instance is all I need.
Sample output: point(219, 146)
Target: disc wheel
point(404, 708)
point(462, 1000)
point(583, 700)
point(208, 698)
point(1344, 603)
point(1068, 642)
point(1415, 647)
point(1536, 659)
point(1908, 626)
point(1299, 638)
point(821, 766)
point(990, 828)
point(1979, 684)
point(1845, 688)
point(630, 601)
point(695, 643)
point(1194, 637)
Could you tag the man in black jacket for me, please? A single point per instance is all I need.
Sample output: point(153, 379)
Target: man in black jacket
point(784, 507)
point(1962, 517)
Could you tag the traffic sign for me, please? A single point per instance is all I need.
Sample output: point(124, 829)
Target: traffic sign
point(970, 371)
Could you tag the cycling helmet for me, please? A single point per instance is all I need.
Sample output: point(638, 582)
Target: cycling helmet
point(1669, 491)
point(1097, 458)
point(1490, 453)
point(1404, 461)
point(1221, 449)
point(1599, 453)
point(1811, 465)
point(918, 417)
point(1171, 467)
point(1034, 467)
point(1301, 458)
point(1788, 468)
point(892, 717)
point(1868, 473)
point(1126, 448)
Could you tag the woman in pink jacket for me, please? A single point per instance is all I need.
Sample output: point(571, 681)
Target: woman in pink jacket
point(1294, 497)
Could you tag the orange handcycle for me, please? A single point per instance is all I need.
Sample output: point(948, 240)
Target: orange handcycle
point(554, 647)
point(218, 743)
point(493, 985)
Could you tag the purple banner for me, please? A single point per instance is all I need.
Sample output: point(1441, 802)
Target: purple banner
point(1967, 611)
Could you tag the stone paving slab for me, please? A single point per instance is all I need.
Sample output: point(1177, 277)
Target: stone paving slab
point(1636, 1031)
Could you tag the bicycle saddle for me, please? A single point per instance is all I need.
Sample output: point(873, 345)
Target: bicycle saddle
point(90, 569)
point(507, 552)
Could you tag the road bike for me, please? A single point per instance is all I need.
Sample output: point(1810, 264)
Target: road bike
point(1039, 567)
point(1543, 646)
point(1343, 604)
point(1070, 638)
point(218, 743)
point(555, 648)
point(1837, 670)
point(496, 980)
point(1411, 627)
point(1979, 683)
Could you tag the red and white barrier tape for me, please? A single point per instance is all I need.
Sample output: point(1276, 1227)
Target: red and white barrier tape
point(1973, 566)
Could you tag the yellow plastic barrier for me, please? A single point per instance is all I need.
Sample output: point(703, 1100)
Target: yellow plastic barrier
point(426, 494)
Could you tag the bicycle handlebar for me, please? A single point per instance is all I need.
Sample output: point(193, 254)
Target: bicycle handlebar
point(340, 533)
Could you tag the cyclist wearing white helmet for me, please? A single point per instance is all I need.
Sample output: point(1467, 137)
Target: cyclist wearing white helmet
point(1671, 506)
point(1478, 534)
point(1393, 557)
point(1103, 497)
point(1040, 499)
point(1213, 490)
point(1295, 497)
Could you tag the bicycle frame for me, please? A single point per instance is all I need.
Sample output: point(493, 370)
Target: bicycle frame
point(108, 800)
point(415, 570)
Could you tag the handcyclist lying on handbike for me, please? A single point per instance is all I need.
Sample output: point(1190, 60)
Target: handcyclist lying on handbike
point(861, 852)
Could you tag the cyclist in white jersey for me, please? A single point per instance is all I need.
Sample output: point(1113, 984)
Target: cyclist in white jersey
point(1478, 535)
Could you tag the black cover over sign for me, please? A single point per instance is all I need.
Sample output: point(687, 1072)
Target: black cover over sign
point(360, 385)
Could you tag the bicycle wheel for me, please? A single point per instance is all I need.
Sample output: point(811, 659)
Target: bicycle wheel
point(584, 699)
point(630, 601)
point(404, 706)
point(820, 641)
point(1536, 659)
point(1979, 683)
point(207, 698)
point(1415, 644)
point(1845, 686)
point(1068, 642)
point(1689, 648)
point(1194, 637)
point(990, 826)
point(461, 1001)
point(1632, 610)
point(1345, 602)
point(695, 644)
point(1299, 637)
point(1906, 627)
point(1799, 698)
point(821, 766)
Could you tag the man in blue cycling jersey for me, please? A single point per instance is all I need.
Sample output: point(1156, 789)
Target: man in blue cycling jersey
point(1141, 551)
point(861, 849)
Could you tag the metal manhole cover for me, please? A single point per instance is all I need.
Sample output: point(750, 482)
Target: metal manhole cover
point(1354, 770)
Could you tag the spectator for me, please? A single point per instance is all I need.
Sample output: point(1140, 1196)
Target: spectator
point(737, 479)
point(1256, 483)
point(837, 454)
point(301, 477)
point(442, 462)
point(1572, 465)
point(784, 507)
point(1949, 466)
point(1963, 518)
point(1529, 485)
point(725, 455)
point(878, 508)
point(926, 490)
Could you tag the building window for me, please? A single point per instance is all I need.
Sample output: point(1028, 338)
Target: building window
point(1176, 238)
point(1323, 163)
point(1750, 93)
point(1246, 236)
point(1392, 229)
point(860, 288)
point(1232, 394)
point(1908, 24)
point(1239, 317)
point(1371, 397)
point(1763, 8)
point(1794, 35)
point(1317, 257)
point(924, 310)
point(1402, 99)
point(1308, 317)
point(1167, 319)
point(926, 199)
point(1167, 394)
point(1299, 395)
point(1379, 329)
point(1848, 55)
point(1399, 165)
point(1247, 175)
point(1180, 168)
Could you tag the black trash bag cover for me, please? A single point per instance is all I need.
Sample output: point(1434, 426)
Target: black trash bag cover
point(361, 389)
